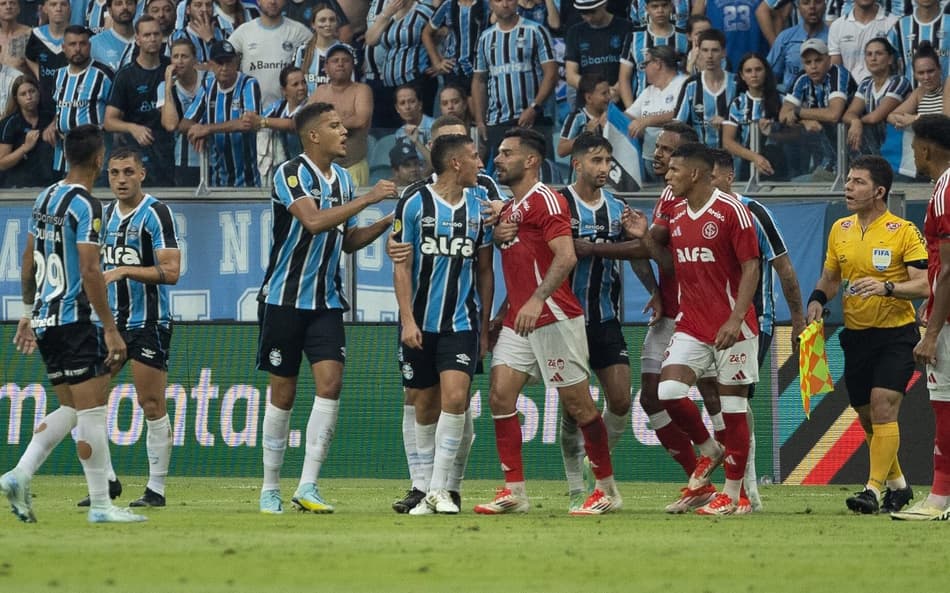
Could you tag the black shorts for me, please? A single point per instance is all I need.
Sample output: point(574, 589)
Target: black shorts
point(877, 357)
point(149, 345)
point(440, 352)
point(287, 333)
point(73, 353)
point(605, 345)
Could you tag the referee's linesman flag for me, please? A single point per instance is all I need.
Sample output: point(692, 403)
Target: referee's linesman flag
point(813, 364)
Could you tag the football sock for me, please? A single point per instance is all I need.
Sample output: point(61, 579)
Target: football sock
point(508, 443)
point(737, 449)
point(409, 445)
point(885, 441)
point(572, 451)
point(425, 450)
point(686, 415)
point(158, 444)
point(719, 427)
point(595, 443)
point(675, 441)
point(93, 450)
point(448, 437)
point(461, 458)
point(274, 443)
point(50, 433)
point(616, 426)
point(941, 482)
point(320, 430)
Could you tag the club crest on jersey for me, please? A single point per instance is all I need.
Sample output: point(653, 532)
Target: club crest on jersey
point(846, 224)
point(710, 230)
point(407, 372)
point(275, 358)
point(892, 226)
point(881, 259)
point(516, 217)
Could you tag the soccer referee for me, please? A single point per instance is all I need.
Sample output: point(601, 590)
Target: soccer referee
point(880, 262)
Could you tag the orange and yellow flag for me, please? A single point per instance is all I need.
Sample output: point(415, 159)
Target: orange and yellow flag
point(813, 364)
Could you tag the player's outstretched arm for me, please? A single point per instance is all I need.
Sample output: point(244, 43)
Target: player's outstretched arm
point(359, 237)
point(319, 220)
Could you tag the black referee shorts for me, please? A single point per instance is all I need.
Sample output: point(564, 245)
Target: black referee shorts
point(877, 357)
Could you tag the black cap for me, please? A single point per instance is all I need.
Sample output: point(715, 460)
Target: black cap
point(221, 51)
point(403, 152)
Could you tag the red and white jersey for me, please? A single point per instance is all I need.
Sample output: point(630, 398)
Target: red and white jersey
point(541, 215)
point(709, 247)
point(937, 230)
point(669, 293)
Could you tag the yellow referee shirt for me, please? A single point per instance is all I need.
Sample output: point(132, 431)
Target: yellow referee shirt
point(881, 252)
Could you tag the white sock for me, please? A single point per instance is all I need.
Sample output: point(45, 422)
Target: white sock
point(750, 479)
point(608, 486)
point(732, 488)
point(425, 449)
point(572, 452)
point(448, 437)
point(58, 423)
point(710, 448)
point(158, 443)
point(938, 501)
point(517, 488)
point(274, 441)
point(92, 432)
point(457, 474)
point(718, 422)
point(616, 426)
point(409, 445)
point(320, 429)
point(897, 483)
point(659, 420)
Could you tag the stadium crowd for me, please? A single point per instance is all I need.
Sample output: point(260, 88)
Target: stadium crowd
point(231, 90)
point(159, 75)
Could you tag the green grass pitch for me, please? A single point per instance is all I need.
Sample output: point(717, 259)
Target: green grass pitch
point(212, 539)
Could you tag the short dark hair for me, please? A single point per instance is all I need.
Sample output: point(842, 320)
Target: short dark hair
point(77, 30)
point(712, 35)
point(145, 18)
point(529, 138)
point(306, 115)
point(587, 84)
point(685, 131)
point(696, 18)
point(933, 128)
point(882, 175)
point(925, 50)
point(82, 144)
point(127, 152)
point(407, 87)
point(444, 121)
point(185, 42)
point(696, 152)
point(722, 159)
point(285, 73)
point(588, 141)
point(445, 147)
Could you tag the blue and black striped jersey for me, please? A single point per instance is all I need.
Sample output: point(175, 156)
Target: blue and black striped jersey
point(744, 112)
point(697, 106)
point(202, 49)
point(233, 155)
point(771, 246)
point(111, 50)
point(465, 25)
point(406, 57)
point(680, 16)
point(597, 281)
point(837, 84)
point(64, 215)
point(304, 269)
point(80, 99)
point(908, 34)
point(185, 154)
point(133, 239)
point(446, 240)
point(512, 61)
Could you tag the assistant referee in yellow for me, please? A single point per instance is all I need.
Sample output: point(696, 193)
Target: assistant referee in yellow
point(879, 261)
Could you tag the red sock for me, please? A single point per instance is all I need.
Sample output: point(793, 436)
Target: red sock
point(678, 446)
point(720, 436)
point(508, 442)
point(742, 493)
point(941, 484)
point(595, 444)
point(686, 415)
point(737, 445)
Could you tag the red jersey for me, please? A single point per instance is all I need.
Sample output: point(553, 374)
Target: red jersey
point(709, 247)
point(669, 294)
point(541, 215)
point(937, 230)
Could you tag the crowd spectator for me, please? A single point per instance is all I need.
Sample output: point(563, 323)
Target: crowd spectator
point(113, 45)
point(162, 11)
point(132, 113)
point(757, 105)
point(201, 28)
point(593, 98)
point(639, 15)
point(785, 56)
point(176, 93)
point(353, 102)
point(82, 88)
point(30, 12)
point(927, 99)
point(848, 35)
point(278, 117)
point(659, 31)
point(8, 76)
point(704, 101)
point(454, 101)
point(515, 74)
point(656, 105)
point(304, 12)
point(735, 18)
point(814, 105)
point(44, 50)
point(407, 165)
point(543, 12)
point(13, 36)
point(416, 125)
point(570, 16)
point(25, 160)
point(774, 15)
point(596, 45)
point(696, 24)
point(877, 96)
point(225, 116)
point(459, 23)
point(231, 14)
point(311, 56)
point(97, 15)
point(398, 33)
point(928, 23)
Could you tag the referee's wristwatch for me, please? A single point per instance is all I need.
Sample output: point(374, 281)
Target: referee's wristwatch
point(888, 288)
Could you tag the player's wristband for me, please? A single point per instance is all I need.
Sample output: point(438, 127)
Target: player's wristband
point(818, 296)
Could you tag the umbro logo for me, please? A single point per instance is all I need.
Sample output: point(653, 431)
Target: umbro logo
point(463, 359)
point(146, 353)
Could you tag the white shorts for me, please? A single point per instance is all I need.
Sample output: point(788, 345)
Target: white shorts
point(736, 366)
point(938, 375)
point(655, 344)
point(556, 353)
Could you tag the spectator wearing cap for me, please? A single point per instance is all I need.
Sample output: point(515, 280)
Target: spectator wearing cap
point(515, 74)
point(201, 28)
point(656, 105)
point(735, 18)
point(224, 117)
point(311, 57)
point(785, 55)
point(132, 113)
point(416, 125)
point(175, 95)
point(408, 166)
point(850, 33)
point(459, 24)
point(659, 32)
point(595, 45)
point(113, 44)
point(354, 104)
point(815, 105)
